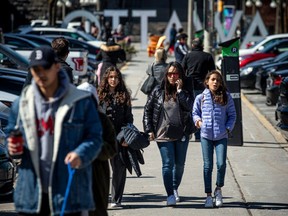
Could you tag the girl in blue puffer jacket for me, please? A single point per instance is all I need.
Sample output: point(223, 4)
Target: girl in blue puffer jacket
point(214, 112)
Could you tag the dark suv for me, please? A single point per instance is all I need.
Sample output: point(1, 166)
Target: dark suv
point(281, 113)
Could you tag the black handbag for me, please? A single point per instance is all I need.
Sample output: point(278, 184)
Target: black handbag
point(149, 83)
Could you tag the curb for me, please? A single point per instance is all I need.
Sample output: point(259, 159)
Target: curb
point(275, 133)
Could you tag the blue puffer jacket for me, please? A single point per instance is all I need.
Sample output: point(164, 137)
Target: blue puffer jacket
point(215, 118)
point(77, 128)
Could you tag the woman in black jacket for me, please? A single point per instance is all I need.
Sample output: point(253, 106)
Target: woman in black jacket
point(110, 54)
point(115, 101)
point(167, 119)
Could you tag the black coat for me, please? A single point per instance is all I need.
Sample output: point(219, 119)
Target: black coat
point(154, 106)
point(110, 56)
point(66, 67)
point(197, 64)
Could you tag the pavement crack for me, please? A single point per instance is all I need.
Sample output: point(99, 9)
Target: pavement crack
point(246, 204)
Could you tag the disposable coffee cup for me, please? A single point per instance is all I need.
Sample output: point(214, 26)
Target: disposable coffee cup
point(17, 139)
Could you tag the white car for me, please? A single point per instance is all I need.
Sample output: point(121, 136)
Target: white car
point(260, 45)
point(73, 33)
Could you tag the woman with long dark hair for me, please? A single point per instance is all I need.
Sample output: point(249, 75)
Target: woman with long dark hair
point(166, 119)
point(115, 100)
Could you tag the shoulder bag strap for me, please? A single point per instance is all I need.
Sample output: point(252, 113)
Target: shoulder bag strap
point(152, 69)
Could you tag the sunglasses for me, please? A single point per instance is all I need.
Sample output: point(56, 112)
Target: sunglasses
point(172, 74)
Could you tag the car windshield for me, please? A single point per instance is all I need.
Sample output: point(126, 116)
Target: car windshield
point(279, 46)
point(282, 57)
point(86, 37)
point(256, 43)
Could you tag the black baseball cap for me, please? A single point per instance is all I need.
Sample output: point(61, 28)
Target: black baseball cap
point(43, 56)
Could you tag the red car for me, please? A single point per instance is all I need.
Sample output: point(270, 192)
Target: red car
point(270, 51)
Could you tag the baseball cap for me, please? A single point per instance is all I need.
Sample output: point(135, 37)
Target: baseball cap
point(43, 56)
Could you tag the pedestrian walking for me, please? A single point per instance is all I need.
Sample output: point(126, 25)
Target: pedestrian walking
point(214, 112)
point(115, 101)
point(157, 68)
point(181, 48)
point(60, 127)
point(196, 65)
point(167, 119)
point(172, 38)
point(110, 54)
point(94, 30)
point(100, 166)
point(81, 27)
point(61, 47)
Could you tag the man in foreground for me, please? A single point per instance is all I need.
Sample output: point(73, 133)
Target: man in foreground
point(60, 127)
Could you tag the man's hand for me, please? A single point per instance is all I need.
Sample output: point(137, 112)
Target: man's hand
point(74, 160)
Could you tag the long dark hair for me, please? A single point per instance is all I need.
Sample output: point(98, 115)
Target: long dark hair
point(171, 90)
point(122, 95)
point(220, 95)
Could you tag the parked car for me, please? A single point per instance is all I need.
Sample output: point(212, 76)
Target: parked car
point(41, 41)
point(281, 113)
point(260, 45)
point(263, 74)
point(273, 86)
point(73, 33)
point(248, 73)
point(7, 170)
point(19, 42)
point(11, 84)
point(11, 59)
point(272, 50)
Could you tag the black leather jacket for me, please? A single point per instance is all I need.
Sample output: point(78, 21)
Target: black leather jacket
point(154, 107)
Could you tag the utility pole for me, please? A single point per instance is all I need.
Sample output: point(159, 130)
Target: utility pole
point(208, 22)
point(190, 21)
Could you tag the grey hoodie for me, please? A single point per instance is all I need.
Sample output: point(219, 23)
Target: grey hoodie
point(45, 111)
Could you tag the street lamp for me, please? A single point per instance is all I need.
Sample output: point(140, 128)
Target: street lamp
point(64, 4)
point(253, 3)
point(249, 3)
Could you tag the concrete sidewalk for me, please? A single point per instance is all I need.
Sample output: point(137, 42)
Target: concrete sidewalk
point(257, 172)
point(256, 180)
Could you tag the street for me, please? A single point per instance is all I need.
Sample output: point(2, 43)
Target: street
point(256, 177)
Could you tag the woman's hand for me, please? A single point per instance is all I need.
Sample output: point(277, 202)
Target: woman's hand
point(151, 136)
point(199, 123)
point(179, 84)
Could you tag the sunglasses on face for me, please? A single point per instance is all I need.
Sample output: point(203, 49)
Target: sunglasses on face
point(173, 74)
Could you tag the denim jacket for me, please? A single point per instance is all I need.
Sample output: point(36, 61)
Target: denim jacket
point(216, 119)
point(77, 128)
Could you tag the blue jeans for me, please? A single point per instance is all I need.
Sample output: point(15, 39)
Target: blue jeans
point(173, 156)
point(221, 154)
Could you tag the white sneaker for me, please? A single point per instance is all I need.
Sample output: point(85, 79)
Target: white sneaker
point(176, 196)
point(171, 200)
point(115, 205)
point(218, 198)
point(209, 202)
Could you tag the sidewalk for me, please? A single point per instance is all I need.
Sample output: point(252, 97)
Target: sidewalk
point(256, 180)
point(257, 172)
